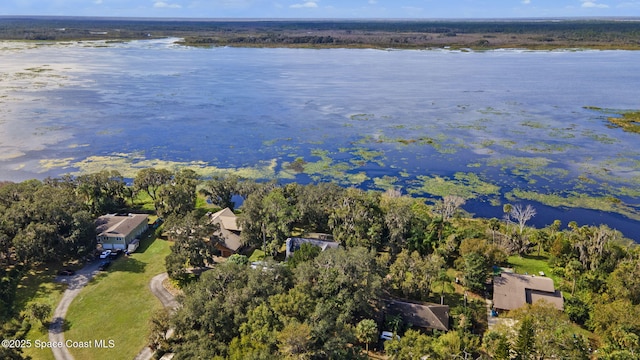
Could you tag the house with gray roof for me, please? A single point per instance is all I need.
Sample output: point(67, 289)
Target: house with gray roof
point(294, 244)
point(117, 231)
point(228, 231)
point(425, 316)
point(512, 291)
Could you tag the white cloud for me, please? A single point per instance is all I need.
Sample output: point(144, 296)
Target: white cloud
point(593, 4)
point(308, 4)
point(98, 2)
point(164, 5)
point(526, 2)
point(372, 2)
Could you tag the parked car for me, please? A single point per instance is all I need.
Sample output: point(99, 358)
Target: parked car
point(66, 272)
point(105, 254)
point(388, 335)
point(104, 265)
point(115, 253)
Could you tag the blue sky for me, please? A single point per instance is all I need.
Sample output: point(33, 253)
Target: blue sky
point(324, 8)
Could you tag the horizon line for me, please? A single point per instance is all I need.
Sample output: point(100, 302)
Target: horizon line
point(248, 19)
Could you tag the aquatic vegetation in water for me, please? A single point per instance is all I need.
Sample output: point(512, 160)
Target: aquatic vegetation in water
point(577, 200)
point(627, 120)
point(533, 124)
point(361, 117)
point(547, 148)
point(630, 121)
point(386, 182)
point(604, 139)
point(129, 164)
point(56, 163)
point(465, 185)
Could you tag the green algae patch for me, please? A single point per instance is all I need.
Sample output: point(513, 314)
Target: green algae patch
point(547, 148)
point(465, 185)
point(361, 117)
point(326, 168)
point(47, 164)
point(520, 162)
point(386, 182)
point(629, 121)
point(577, 200)
point(129, 164)
point(527, 167)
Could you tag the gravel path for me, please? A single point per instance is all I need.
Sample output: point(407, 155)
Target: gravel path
point(167, 300)
point(76, 283)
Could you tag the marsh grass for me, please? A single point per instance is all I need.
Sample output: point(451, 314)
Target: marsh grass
point(465, 185)
point(629, 121)
point(577, 200)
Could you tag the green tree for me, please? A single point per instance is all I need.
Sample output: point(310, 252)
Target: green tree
point(496, 345)
point(456, 345)
point(295, 341)
point(179, 196)
point(476, 271)
point(39, 311)
point(413, 275)
point(221, 189)
point(159, 329)
point(218, 304)
point(194, 244)
point(398, 214)
point(413, 345)
point(624, 281)
point(150, 180)
point(367, 332)
point(305, 253)
point(238, 259)
point(525, 342)
point(357, 220)
point(573, 270)
point(315, 203)
point(267, 219)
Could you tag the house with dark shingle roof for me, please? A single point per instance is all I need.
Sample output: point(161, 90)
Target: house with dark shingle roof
point(228, 231)
point(426, 316)
point(512, 291)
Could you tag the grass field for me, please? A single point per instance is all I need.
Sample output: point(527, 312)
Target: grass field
point(38, 286)
point(532, 265)
point(117, 305)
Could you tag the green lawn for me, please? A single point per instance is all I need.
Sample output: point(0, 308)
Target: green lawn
point(532, 265)
point(38, 286)
point(117, 304)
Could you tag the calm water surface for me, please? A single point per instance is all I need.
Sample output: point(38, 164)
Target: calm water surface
point(369, 118)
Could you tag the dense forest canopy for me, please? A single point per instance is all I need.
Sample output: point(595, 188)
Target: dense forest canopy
point(538, 33)
point(324, 305)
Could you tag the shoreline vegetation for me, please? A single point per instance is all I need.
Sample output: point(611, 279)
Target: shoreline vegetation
point(541, 34)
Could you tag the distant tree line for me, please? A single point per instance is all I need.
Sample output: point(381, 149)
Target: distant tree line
point(361, 33)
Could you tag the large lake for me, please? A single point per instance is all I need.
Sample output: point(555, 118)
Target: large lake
point(496, 127)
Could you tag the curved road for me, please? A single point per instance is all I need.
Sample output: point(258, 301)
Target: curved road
point(76, 283)
point(167, 300)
